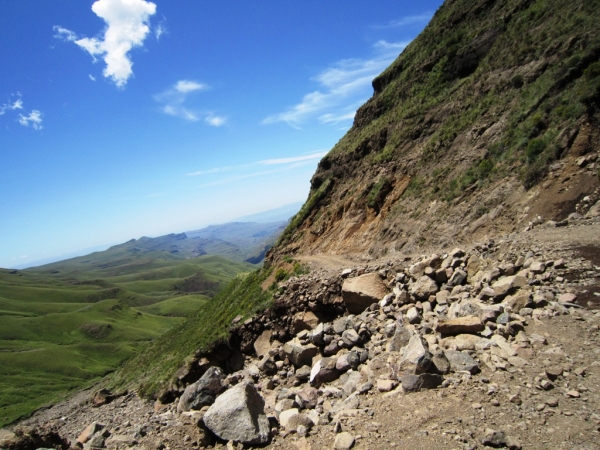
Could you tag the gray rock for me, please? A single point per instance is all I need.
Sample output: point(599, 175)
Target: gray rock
point(324, 371)
point(351, 384)
point(401, 339)
point(415, 383)
point(494, 438)
point(413, 316)
point(267, 365)
point(343, 441)
point(360, 292)
point(458, 277)
point(203, 392)
point(341, 323)
point(300, 355)
point(307, 398)
point(416, 358)
point(303, 373)
point(238, 415)
point(466, 324)
point(292, 419)
point(284, 405)
point(508, 285)
point(461, 361)
point(262, 345)
point(316, 335)
point(350, 337)
point(423, 288)
point(440, 362)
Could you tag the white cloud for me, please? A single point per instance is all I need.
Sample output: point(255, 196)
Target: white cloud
point(127, 25)
point(215, 121)
point(290, 162)
point(92, 77)
point(173, 100)
point(418, 19)
point(293, 159)
point(186, 86)
point(34, 118)
point(344, 86)
point(64, 34)
point(397, 46)
point(11, 106)
point(160, 29)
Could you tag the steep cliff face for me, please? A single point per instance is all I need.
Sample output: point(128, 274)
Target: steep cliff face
point(486, 121)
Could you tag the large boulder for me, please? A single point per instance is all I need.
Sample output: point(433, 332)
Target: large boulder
point(360, 292)
point(239, 415)
point(203, 392)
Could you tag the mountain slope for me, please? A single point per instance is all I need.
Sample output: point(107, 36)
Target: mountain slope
point(475, 129)
point(487, 119)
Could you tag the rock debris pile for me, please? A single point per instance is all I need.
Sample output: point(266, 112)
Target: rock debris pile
point(311, 367)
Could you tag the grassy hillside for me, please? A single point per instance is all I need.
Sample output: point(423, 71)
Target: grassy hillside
point(68, 324)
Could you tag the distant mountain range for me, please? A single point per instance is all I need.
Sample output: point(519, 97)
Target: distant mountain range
point(245, 239)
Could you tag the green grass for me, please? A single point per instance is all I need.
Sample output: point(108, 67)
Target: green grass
point(67, 325)
point(153, 369)
point(182, 306)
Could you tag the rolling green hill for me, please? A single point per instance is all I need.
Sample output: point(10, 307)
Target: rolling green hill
point(69, 323)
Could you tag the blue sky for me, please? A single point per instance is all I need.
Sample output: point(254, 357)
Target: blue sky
point(125, 118)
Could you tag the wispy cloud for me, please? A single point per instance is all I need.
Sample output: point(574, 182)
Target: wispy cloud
point(418, 19)
point(127, 26)
point(215, 121)
point(293, 159)
point(343, 87)
point(34, 118)
point(160, 29)
point(172, 100)
point(290, 162)
point(396, 46)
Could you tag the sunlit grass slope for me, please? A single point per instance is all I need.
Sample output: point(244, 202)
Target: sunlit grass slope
point(68, 324)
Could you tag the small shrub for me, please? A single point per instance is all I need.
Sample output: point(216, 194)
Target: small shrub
point(593, 71)
point(378, 192)
point(484, 168)
point(573, 61)
point(415, 185)
point(281, 275)
point(534, 148)
point(300, 269)
point(517, 81)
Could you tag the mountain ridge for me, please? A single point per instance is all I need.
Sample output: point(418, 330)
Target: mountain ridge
point(471, 131)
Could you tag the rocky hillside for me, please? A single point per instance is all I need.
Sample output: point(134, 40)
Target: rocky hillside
point(494, 346)
point(486, 121)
